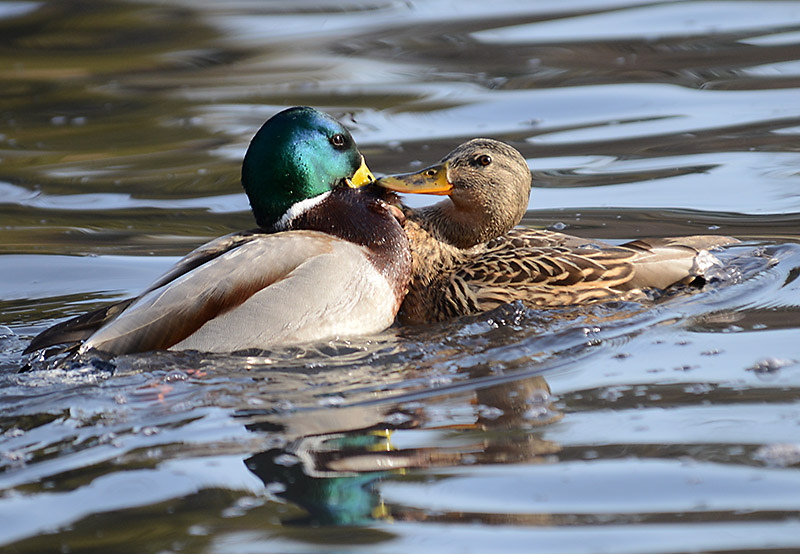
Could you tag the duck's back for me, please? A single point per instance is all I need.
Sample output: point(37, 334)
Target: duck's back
point(546, 269)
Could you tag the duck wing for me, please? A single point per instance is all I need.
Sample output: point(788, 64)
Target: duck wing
point(541, 238)
point(661, 263)
point(537, 277)
point(203, 254)
point(77, 329)
point(80, 328)
point(264, 291)
point(511, 269)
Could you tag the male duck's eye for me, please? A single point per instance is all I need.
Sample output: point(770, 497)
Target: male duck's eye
point(485, 160)
point(338, 140)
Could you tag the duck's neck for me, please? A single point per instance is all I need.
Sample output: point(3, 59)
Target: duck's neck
point(463, 226)
point(431, 253)
point(358, 216)
point(432, 260)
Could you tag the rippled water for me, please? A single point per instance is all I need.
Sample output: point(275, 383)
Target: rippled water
point(661, 428)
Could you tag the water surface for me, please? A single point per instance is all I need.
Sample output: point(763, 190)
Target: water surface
point(660, 427)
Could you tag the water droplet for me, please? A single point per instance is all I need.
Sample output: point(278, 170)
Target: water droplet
point(537, 413)
point(770, 365)
point(468, 459)
point(174, 376)
point(489, 412)
point(16, 457)
point(439, 381)
point(287, 460)
point(539, 396)
point(330, 401)
point(276, 487)
point(284, 406)
point(698, 388)
point(397, 418)
point(779, 454)
point(611, 394)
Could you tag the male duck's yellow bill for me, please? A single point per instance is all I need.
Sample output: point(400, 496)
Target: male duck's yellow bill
point(362, 176)
point(432, 180)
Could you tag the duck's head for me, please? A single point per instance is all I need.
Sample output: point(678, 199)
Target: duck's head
point(296, 156)
point(488, 184)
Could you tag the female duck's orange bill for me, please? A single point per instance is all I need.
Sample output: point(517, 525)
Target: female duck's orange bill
point(432, 180)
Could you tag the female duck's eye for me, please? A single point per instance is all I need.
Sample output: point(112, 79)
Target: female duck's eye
point(485, 160)
point(338, 140)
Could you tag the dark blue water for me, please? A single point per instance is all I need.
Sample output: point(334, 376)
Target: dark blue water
point(665, 427)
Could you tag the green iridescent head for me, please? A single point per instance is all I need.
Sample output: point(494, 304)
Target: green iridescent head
point(297, 155)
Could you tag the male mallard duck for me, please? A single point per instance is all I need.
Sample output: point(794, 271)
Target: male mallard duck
point(463, 263)
point(328, 259)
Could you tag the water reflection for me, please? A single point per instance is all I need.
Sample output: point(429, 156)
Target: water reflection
point(332, 472)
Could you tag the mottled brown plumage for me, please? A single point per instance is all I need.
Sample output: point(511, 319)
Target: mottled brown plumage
point(466, 258)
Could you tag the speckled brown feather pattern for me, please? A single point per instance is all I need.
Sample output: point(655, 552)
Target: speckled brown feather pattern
point(466, 258)
point(530, 266)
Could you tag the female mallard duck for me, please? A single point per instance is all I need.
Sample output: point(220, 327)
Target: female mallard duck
point(328, 259)
point(466, 259)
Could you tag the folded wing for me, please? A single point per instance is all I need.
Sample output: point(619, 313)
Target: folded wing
point(550, 269)
point(271, 289)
